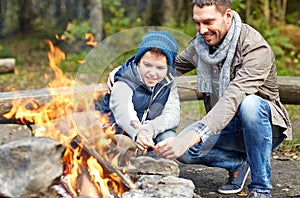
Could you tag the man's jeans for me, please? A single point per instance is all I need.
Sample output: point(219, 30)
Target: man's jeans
point(249, 136)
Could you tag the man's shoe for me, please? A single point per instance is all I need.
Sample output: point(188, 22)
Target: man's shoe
point(236, 180)
point(259, 195)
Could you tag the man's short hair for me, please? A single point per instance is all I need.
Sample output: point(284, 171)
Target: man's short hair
point(221, 5)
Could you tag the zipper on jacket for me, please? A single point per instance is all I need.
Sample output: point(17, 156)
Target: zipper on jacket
point(169, 80)
point(148, 108)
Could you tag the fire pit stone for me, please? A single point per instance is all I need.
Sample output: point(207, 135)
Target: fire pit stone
point(155, 166)
point(29, 166)
point(161, 186)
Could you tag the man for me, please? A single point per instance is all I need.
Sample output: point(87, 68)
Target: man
point(245, 119)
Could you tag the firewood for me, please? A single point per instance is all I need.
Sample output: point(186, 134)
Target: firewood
point(126, 181)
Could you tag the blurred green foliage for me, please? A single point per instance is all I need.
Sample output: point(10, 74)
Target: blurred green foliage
point(76, 31)
point(5, 52)
point(115, 19)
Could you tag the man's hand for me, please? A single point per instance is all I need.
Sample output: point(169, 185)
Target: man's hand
point(174, 147)
point(110, 79)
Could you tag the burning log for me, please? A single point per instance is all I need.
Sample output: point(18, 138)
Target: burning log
point(31, 167)
point(89, 152)
point(7, 65)
point(41, 97)
point(95, 159)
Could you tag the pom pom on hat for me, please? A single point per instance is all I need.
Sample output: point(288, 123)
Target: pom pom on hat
point(161, 40)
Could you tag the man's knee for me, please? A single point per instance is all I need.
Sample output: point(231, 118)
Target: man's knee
point(253, 107)
point(250, 101)
point(185, 159)
point(162, 136)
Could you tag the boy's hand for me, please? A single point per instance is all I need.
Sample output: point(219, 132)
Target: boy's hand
point(144, 140)
point(110, 79)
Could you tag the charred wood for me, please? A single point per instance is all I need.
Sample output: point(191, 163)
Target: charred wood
point(89, 152)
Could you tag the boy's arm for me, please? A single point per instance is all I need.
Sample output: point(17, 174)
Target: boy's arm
point(122, 107)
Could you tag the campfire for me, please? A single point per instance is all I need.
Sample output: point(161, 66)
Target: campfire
point(95, 161)
point(91, 165)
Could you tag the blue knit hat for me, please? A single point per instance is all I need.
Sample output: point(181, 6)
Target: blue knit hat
point(161, 40)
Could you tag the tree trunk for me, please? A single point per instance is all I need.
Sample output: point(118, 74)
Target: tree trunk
point(283, 11)
point(25, 16)
point(62, 12)
point(248, 10)
point(155, 13)
point(168, 7)
point(96, 18)
point(266, 11)
point(183, 12)
point(1, 17)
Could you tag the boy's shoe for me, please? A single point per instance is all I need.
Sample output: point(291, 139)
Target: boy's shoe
point(255, 194)
point(236, 180)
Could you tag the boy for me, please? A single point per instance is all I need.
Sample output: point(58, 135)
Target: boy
point(144, 102)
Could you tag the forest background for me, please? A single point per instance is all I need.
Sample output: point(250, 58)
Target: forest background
point(26, 25)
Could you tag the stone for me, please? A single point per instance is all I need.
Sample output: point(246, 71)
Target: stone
point(151, 165)
point(29, 166)
point(161, 186)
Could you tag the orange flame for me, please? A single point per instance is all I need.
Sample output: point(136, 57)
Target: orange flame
point(91, 38)
point(63, 118)
point(61, 38)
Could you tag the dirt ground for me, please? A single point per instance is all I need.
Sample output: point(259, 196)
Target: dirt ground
point(285, 178)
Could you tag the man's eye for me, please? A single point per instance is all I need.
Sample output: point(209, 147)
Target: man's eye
point(208, 22)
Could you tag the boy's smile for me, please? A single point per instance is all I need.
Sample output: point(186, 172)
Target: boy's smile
point(153, 68)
